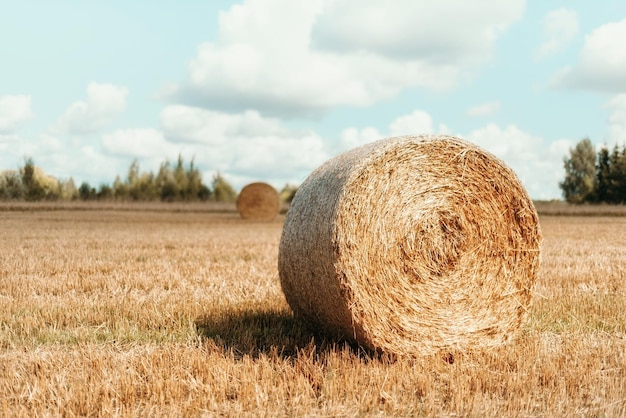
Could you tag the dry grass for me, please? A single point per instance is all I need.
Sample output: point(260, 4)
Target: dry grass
point(410, 245)
point(560, 208)
point(144, 206)
point(161, 313)
point(258, 201)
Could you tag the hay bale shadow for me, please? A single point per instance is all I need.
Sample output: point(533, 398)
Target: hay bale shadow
point(254, 332)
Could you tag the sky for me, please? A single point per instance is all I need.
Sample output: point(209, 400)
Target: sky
point(267, 90)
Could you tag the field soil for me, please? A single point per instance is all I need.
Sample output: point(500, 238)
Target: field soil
point(161, 310)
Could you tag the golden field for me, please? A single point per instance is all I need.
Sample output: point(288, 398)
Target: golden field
point(176, 310)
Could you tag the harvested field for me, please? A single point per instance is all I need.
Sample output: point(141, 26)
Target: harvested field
point(161, 311)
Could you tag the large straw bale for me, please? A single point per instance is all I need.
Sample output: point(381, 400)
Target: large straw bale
point(411, 245)
point(258, 201)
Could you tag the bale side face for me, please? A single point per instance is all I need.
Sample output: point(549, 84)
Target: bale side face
point(422, 243)
point(258, 201)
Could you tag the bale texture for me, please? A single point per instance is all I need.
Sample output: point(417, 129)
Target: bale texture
point(411, 245)
point(258, 201)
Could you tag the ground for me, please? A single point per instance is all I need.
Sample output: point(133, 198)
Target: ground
point(121, 310)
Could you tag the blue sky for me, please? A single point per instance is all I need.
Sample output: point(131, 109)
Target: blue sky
point(269, 89)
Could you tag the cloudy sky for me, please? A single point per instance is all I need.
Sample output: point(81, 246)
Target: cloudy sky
point(269, 89)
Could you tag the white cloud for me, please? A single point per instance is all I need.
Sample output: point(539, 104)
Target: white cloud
point(451, 32)
point(617, 120)
point(7, 144)
point(41, 148)
point(510, 143)
point(352, 137)
point(484, 109)
point(14, 110)
point(104, 102)
point(85, 163)
point(279, 157)
point(246, 145)
point(138, 143)
point(310, 62)
point(194, 125)
point(538, 165)
point(601, 62)
point(21, 147)
point(560, 27)
point(63, 158)
point(249, 147)
point(146, 145)
point(416, 123)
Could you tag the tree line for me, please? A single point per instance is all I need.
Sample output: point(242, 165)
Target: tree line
point(594, 177)
point(172, 183)
point(590, 177)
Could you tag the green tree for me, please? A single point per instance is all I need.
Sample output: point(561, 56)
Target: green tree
point(86, 192)
point(181, 183)
point(288, 192)
point(196, 189)
point(166, 184)
point(180, 176)
point(33, 190)
point(222, 190)
point(11, 187)
point(580, 173)
point(144, 188)
point(105, 192)
point(133, 173)
point(120, 189)
point(68, 190)
point(603, 176)
point(610, 185)
point(204, 193)
point(617, 176)
point(141, 186)
point(194, 182)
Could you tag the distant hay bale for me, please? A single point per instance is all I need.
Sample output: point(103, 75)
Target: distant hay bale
point(411, 245)
point(258, 201)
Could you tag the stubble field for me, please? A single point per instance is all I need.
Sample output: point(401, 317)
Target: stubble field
point(177, 311)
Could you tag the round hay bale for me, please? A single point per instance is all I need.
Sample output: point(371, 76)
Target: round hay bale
point(258, 201)
point(411, 245)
